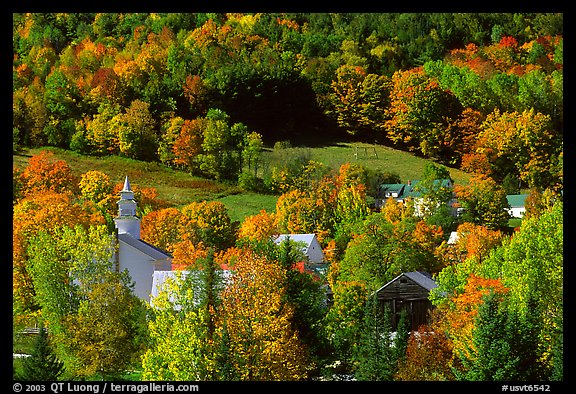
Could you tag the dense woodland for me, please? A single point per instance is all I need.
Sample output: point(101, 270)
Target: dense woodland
point(206, 94)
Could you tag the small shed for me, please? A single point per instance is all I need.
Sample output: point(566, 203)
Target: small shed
point(408, 291)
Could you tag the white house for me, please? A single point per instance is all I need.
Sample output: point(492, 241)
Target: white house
point(310, 245)
point(138, 257)
point(517, 203)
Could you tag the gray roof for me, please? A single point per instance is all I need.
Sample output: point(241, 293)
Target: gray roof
point(144, 247)
point(306, 238)
point(421, 278)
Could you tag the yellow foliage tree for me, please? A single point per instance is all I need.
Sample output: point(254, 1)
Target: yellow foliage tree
point(262, 343)
point(258, 227)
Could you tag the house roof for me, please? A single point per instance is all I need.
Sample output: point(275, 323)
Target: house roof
point(516, 200)
point(405, 190)
point(453, 238)
point(422, 279)
point(306, 238)
point(144, 247)
point(391, 187)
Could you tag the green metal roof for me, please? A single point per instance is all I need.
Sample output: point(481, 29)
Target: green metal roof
point(516, 200)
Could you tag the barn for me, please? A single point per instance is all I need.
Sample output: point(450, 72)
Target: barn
point(408, 291)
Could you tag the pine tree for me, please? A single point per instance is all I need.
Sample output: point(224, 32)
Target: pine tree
point(402, 336)
point(375, 354)
point(505, 344)
point(42, 365)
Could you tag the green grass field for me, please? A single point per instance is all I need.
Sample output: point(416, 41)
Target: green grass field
point(179, 188)
point(406, 165)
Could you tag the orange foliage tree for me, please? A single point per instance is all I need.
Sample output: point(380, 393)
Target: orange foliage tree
point(44, 173)
point(259, 227)
point(459, 318)
point(429, 354)
point(473, 241)
point(160, 228)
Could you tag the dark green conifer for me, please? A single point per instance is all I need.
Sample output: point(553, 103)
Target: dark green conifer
point(42, 365)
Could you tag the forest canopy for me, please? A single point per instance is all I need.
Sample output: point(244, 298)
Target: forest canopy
point(438, 84)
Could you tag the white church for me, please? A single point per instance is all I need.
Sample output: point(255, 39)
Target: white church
point(150, 267)
point(138, 257)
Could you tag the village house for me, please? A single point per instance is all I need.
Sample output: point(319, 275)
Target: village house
point(517, 203)
point(311, 248)
point(403, 191)
point(310, 245)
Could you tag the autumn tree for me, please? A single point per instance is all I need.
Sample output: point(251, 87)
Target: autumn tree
point(45, 173)
point(42, 212)
point(320, 206)
point(179, 345)
point(483, 202)
point(96, 186)
point(523, 143)
point(460, 319)
point(263, 344)
point(160, 228)
point(222, 146)
point(258, 227)
point(419, 113)
point(187, 144)
point(472, 241)
point(428, 355)
point(137, 132)
point(76, 285)
point(379, 250)
point(207, 222)
point(108, 333)
point(359, 99)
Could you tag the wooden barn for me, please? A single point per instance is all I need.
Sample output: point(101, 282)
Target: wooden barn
point(408, 291)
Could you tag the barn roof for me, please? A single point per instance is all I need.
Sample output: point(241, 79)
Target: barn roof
point(422, 279)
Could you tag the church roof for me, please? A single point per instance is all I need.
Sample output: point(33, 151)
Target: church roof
point(126, 187)
point(144, 247)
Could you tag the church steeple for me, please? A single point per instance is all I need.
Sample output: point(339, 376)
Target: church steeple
point(127, 221)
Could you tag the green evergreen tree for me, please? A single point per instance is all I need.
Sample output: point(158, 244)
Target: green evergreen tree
point(402, 336)
point(375, 355)
point(506, 344)
point(42, 365)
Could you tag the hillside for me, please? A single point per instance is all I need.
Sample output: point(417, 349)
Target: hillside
point(177, 188)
